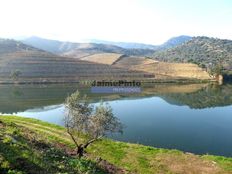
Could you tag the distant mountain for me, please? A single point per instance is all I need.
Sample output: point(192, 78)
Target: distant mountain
point(9, 45)
point(79, 50)
point(175, 41)
point(52, 46)
point(204, 51)
point(94, 46)
point(131, 45)
point(127, 45)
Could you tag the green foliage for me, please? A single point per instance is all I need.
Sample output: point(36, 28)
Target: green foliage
point(217, 69)
point(94, 123)
point(15, 74)
point(204, 51)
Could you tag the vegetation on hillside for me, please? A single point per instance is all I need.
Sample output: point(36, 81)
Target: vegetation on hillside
point(25, 151)
point(32, 146)
point(175, 41)
point(213, 54)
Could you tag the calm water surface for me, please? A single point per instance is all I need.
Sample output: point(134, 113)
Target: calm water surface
point(193, 117)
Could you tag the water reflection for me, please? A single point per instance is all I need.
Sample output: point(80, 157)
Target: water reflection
point(20, 98)
point(189, 117)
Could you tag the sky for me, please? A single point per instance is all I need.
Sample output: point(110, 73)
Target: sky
point(144, 21)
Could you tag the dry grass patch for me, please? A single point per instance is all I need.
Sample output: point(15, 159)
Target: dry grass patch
point(104, 58)
point(181, 70)
point(189, 164)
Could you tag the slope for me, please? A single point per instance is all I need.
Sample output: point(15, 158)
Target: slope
point(78, 50)
point(33, 146)
point(104, 58)
point(163, 70)
point(204, 51)
point(22, 63)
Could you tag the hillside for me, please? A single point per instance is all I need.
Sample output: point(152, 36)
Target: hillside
point(104, 58)
point(163, 70)
point(87, 49)
point(33, 146)
point(204, 51)
point(22, 63)
point(95, 46)
point(175, 41)
point(8, 46)
point(28, 63)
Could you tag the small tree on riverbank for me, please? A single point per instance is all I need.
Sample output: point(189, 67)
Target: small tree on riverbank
point(86, 124)
point(15, 74)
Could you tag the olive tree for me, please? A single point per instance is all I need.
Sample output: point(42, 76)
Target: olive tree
point(86, 124)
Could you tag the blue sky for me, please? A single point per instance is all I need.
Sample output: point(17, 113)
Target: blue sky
point(147, 21)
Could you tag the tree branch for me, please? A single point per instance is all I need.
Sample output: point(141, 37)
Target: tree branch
point(74, 140)
point(91, 141)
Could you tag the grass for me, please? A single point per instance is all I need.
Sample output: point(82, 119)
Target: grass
point(131, 158)
point(26, 151)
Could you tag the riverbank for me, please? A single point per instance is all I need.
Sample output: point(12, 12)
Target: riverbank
point(67, 80)
point(38, 144)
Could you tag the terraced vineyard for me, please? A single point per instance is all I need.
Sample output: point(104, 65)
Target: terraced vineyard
point(24, 64)
point(34, 65)
point(104, 58)
point(129, 61)
point(163, 70)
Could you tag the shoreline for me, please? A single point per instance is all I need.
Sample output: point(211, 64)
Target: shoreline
point(135, 158)
point(89, 81)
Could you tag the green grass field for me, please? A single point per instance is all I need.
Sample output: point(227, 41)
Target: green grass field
point(32, 146)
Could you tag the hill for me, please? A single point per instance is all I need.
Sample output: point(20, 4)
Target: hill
point(104, 58)
point(8, 46)
point(163, 70)
point(32, 146)
point(78, 50)
point(127, 45)
point(22, 63)
point(206, 52)
point(172, 42)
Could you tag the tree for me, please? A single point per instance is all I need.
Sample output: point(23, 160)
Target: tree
point(15, 74)
point(217, 69)
point(86, 124)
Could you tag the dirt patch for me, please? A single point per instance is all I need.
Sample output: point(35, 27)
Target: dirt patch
point(40, 144)
point(189, 164)
point(1, 124)
point(110, 168)
point(103, 164)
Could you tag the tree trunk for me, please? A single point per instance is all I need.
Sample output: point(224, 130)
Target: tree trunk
point(80, 151)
